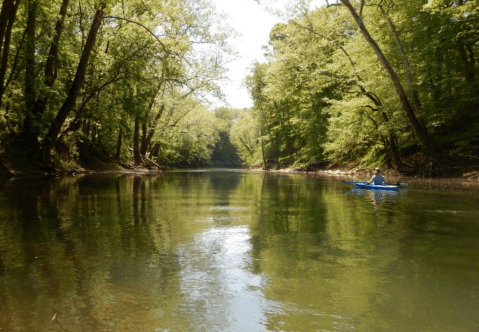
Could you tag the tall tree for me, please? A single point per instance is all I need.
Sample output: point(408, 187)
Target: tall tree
point(406, 105)
point(6, 47)
point(50, 75)
point(55, 127)
point(7, 6)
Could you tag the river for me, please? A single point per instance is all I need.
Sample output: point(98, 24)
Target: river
point(226, 250)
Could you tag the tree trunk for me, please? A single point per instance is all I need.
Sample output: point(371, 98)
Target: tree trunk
point(286, 133)
point(6, 48)
point(152, 130)
point(50, 67)
point(56, 125)
point(136, 143)
point(155, 150)
point(469, 62)
point(144, 133)
point(4, 17)
point(404, 59)
point(269, 130)
point(147, 135)
point(246, 146)
point(406, 106)
point(373, 97)
point(118, 145)
point(14, 66)
point(265, 166)
point(392, 144)
point(437, 89)
point(30, 91)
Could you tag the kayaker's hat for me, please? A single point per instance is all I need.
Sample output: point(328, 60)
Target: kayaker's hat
point(377, 169)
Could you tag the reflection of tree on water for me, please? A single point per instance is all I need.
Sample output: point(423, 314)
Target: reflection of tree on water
point(282, 200)
point(223, 182)
point(139, 186)
point(67, 247)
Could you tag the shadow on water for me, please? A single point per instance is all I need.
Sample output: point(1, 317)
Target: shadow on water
point(62, 240)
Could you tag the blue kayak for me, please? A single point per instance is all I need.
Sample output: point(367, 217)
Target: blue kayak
point(367, 185)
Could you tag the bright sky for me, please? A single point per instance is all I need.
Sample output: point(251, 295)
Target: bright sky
point(254, 24)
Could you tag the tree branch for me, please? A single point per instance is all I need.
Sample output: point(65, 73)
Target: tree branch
point(144, 27)
point(331, 5)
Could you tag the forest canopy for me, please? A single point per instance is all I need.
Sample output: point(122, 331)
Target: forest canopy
point(356, 82)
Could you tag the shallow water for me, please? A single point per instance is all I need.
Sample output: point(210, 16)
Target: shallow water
point(236, 251)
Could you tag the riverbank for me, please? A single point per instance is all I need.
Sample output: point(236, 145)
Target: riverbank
point(9, 169)
point(467, 169)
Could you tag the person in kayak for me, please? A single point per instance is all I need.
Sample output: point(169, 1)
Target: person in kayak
point(378, 178)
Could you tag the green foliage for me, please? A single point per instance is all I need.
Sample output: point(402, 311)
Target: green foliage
point(323, 93)
point(245, 136)
point(188, 138)
point(148, 55)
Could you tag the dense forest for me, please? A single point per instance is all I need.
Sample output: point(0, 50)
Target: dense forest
point(110, 80)
point(375, 82)
point(358, 83)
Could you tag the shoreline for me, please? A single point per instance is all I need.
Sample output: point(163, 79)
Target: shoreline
point(10, 171)
point(335, 175)
point(342, 172)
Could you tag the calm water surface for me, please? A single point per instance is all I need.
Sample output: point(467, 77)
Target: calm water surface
point(236, 251)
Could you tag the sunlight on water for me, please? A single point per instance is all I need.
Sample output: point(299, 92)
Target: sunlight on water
point(221, 291)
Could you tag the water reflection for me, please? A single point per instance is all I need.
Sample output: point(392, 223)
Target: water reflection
point(222, 293)
point(378, 197)
point(234, 251)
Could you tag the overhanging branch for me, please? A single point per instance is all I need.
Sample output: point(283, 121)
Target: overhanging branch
point(144, 27)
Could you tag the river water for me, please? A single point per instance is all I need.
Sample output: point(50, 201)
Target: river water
point(236, 251)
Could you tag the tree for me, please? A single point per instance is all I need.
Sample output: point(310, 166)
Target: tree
point(406, 105)
point(35, 112)
point(55, 127)
point(244, 135)
point(8, 37)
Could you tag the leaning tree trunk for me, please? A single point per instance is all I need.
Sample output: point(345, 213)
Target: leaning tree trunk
point(4, 17)
point(404, 59)
point(50, 74)
point(406, 105)
point(155, 150)
point(145, 139)
point(152, 130)
point(373, 97)
point(6, 48)
point(56, 125)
